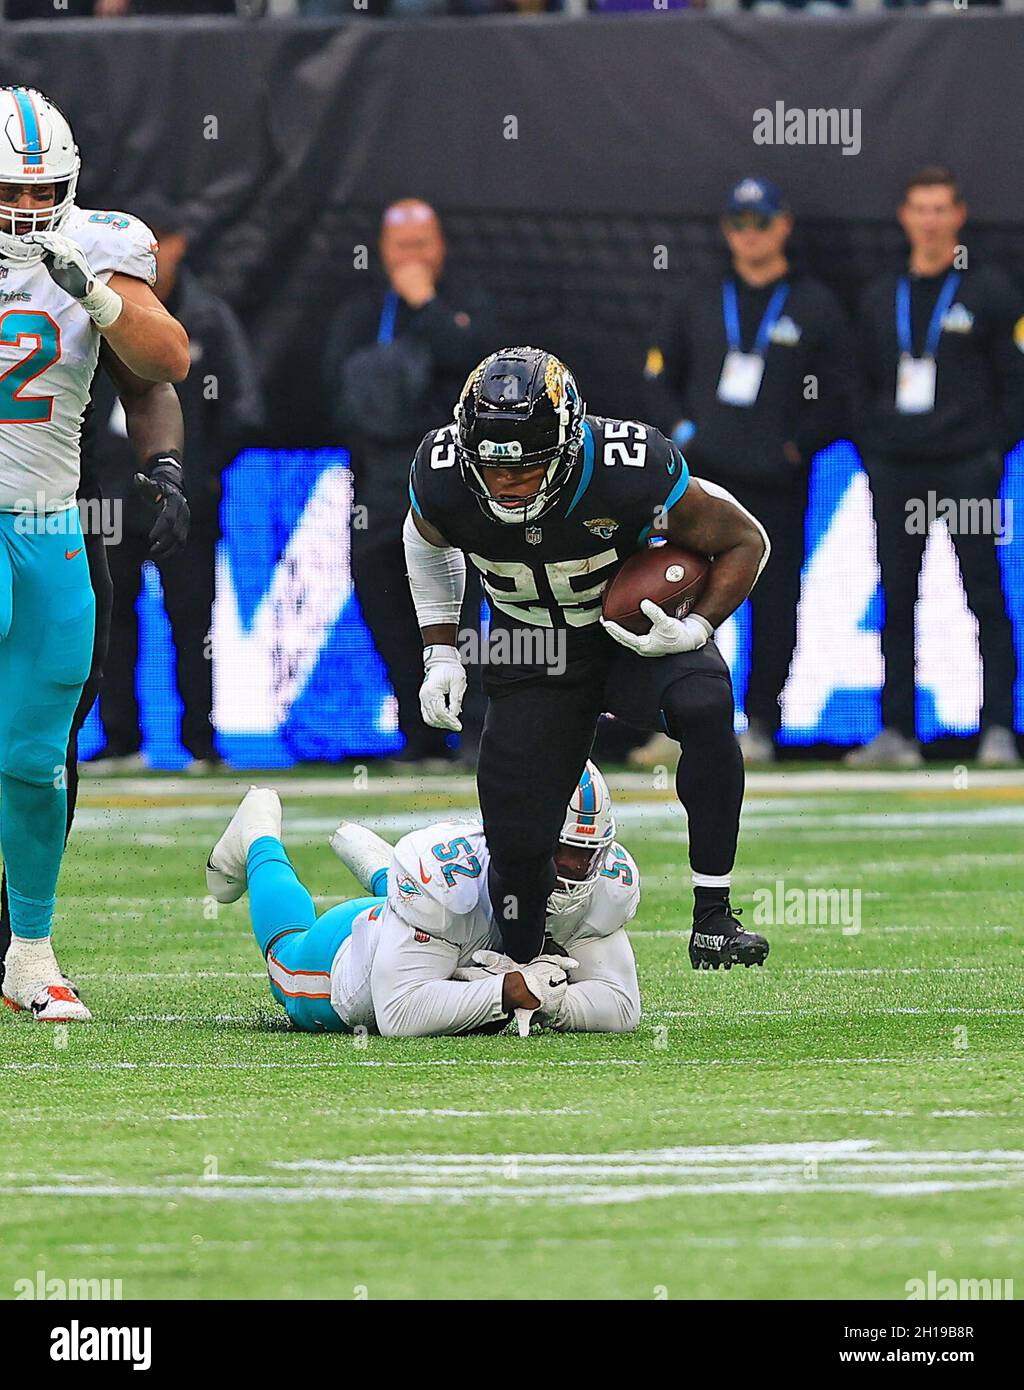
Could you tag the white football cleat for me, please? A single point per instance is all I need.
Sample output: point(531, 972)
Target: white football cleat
point(33, 982)
point(258, 814)
point(362, 851)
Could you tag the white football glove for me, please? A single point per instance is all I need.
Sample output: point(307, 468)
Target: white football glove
point(69, 267)
point(545, 978)
point(443, 688)
point(667, 634)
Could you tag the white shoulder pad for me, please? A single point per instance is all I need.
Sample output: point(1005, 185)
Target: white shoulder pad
point(438, 880)
point(615, 899)
point(115, 243)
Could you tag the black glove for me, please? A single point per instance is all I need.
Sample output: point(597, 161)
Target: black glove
point(161, 485)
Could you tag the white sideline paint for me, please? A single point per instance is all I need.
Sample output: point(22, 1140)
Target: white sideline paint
point(662, 823)
point(836, 1011)
point(231, 790)
point(911, 1060)
point(575, 1195)
point(571, 1179)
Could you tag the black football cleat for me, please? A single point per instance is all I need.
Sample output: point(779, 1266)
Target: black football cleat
point(718, 939)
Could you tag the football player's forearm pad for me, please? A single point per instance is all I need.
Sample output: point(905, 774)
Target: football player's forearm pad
point(437, 577)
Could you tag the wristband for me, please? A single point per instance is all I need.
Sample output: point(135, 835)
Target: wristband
point(437, 654)
point(166, 468)
point(102, 304)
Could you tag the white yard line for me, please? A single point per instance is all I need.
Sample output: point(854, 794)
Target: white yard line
point(653, 1057)
point(374, 783)
point(811, 1167)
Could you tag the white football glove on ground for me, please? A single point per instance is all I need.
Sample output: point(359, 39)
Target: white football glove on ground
point(545, 978)
point(443, 688)
point(667, 634)
point(68, 267)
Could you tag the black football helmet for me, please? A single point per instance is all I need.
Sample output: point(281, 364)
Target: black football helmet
point(519, 408)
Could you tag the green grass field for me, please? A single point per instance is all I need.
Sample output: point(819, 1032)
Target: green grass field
point(835, 1125)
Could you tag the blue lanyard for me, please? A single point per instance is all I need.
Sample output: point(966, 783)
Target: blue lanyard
point(386, 328)
point(904, 331)
point(731, 312)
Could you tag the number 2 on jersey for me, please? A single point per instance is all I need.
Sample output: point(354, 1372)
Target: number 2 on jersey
point(17, 327)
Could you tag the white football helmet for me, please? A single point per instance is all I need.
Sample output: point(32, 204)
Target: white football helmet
point(589, 824)
point(36, 146)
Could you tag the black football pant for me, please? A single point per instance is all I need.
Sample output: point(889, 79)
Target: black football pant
point(893, 485)
point(188, 585)
point(99, 575)
point(773, 603)
point(537, 736)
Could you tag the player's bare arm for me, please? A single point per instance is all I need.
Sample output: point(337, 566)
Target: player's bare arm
point(152, 408)
point(156, 429)
point(148, 340)
point(715, 525)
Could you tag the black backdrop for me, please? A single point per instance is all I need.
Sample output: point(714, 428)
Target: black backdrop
point(629, 130)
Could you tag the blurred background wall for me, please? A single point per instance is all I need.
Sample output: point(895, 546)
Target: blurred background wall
point(561, 154)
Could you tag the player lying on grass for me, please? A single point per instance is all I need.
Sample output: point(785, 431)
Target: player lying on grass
point(421, 957)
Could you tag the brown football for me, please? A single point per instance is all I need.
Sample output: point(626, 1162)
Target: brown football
point(672, 578)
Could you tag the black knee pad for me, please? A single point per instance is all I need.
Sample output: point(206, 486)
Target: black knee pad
point(700, 703)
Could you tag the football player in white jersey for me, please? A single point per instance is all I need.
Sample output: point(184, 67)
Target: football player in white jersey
point(70, 278)
point(421, 956)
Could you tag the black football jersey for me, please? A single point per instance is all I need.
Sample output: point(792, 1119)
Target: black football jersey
point(553, 572)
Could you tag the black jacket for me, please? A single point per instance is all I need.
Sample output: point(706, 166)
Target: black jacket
point(384, 398)
point(979, 388)
point(745, 443)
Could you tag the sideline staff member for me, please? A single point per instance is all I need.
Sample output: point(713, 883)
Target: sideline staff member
point(749, 374)
point(943, 400)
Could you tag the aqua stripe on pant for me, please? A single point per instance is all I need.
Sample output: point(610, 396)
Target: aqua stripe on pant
point(298, 946)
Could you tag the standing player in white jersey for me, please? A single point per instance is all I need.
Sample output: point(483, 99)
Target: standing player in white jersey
point(421, 958)
point(69, 279)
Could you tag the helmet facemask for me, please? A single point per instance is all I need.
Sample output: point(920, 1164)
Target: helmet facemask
point(558, 469)
point(13, 246)
point(575, 886)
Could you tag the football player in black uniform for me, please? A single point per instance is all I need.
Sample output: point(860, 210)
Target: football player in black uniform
point(548, 501)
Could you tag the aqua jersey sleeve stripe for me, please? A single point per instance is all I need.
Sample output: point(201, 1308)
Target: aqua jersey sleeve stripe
point(588, 466)
point(682, 483)
point(412, 497)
